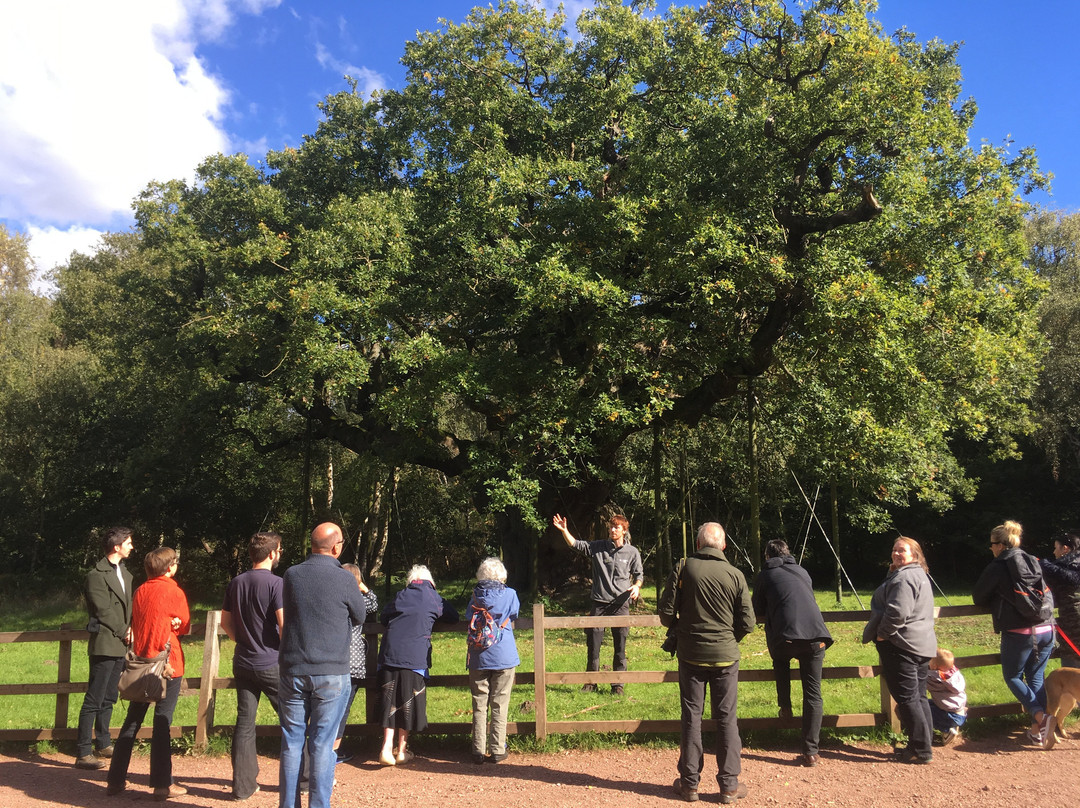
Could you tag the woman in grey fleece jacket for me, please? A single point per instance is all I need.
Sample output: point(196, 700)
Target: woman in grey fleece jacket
point(902, 626)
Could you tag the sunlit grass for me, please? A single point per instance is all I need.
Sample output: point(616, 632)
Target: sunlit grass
point(38, 662)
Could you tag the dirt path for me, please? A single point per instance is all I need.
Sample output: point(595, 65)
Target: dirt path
point(1001, 773)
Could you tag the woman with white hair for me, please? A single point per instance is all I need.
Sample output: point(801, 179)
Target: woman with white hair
point(492, 658)
point(404, 660)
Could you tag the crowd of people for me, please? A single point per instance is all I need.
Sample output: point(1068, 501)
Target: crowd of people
point(300, 643)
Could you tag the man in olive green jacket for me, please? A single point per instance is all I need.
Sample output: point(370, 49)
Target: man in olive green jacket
point(108, 601)
point(707, 601)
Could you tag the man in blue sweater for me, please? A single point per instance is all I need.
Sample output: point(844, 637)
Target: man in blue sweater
point(321, 603)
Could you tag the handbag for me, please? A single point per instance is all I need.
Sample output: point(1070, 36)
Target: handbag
point(145, 679)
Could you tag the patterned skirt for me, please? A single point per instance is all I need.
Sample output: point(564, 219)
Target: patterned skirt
point(404, 699)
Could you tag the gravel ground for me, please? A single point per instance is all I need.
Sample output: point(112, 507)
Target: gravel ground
point(1001, 773)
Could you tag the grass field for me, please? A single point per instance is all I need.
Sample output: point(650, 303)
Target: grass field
point(37, 662)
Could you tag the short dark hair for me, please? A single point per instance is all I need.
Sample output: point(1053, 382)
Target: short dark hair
point(1070, 539)
point(262, 544)
point(158, 561)
point(114, 537)
point(776, 548)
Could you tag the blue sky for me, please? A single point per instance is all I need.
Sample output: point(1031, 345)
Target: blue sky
point(97, 99)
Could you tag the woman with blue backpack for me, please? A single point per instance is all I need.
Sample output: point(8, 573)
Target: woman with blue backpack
point(492, 658)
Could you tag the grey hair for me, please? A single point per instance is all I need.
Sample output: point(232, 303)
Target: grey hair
point(711, 534)
point(491, 569)
point(420, 573)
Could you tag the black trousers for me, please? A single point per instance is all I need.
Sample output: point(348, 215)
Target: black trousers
point(594, 637)
point(905, 675)
point(96, 713)
point(811, 657)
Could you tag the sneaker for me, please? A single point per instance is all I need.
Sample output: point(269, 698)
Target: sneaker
point(949, 736)
point(238, 798)
point(588, 687)
point(685, 792)
point(343, 757)
point(478, 759)
point(89, 762)
point(1046, 728)
point(728, 797)
point(1032, 737)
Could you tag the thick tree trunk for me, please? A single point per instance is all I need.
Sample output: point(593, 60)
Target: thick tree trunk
point(381, 512)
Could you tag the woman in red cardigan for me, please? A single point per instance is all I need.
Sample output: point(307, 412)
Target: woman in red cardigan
point(159, 615)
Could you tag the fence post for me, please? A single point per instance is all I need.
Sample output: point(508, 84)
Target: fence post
point(888, 705)
point(63, 676)
point(539, 672)
point(204, 719)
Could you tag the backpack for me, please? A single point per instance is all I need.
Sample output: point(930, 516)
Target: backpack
point(1031, 596)
point(484, 632)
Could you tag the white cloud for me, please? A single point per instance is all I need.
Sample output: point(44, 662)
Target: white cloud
point(99, 98)
point(367, 80)
point(571, 8)
point(50, 247)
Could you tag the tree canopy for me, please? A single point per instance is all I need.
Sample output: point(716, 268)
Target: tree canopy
point(544, 246)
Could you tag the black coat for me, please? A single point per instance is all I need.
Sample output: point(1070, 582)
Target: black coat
point(994, 590)
point(784, 597)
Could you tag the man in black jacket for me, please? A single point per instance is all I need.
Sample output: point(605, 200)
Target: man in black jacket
point(794, 629)
point(108, 602)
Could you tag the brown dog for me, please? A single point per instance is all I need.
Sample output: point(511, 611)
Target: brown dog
point(1062, 694)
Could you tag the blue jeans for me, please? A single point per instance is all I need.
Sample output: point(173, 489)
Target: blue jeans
point(1023, 663)
point(943, 720)
point(96, 713)
point(311, 710)
point(250, 684)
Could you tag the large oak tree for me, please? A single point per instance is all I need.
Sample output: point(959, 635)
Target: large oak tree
point(544, 245)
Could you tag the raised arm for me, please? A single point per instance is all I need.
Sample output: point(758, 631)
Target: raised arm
point(559, 522)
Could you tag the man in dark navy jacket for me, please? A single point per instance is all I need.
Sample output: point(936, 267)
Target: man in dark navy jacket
point(321, 602)
point(794, 629)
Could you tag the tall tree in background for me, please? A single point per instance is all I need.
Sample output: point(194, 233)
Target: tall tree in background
point(542, 247)
point(43, 388)
point(1055, 253)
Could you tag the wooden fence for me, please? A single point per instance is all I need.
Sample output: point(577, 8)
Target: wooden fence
point(208, 683)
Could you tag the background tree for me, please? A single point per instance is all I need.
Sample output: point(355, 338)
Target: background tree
point(1055, 254)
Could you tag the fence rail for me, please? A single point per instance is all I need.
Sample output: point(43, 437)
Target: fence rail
point(208, 683)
